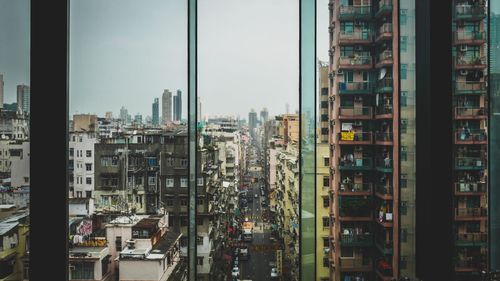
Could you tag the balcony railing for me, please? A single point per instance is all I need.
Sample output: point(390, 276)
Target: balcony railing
point(351, 111)
point(466, 187)
point(385, 31)
point(357, 164)
point(355, 136)
point(383, 137)
point(471, 136)
point(385, 85)
point(384, 189)
point(385, 57)
point(383, 164)
point(361, 36)
point(471, 262)
point(470, 61)
point(469, 37)
point(355, 187)
point(356, 61)
point(363, 87)
point(470, 112)
point(469, 12)
point(383, 109)
point(470, 163)
point(384, 7)
point(472, 238)
point(363, 239)
point(354, 263)
point(470, 88)
point(354, 12)
point(384, 246)
point(470, 212)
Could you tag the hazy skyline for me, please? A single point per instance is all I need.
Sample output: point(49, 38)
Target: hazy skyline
point(14, 46)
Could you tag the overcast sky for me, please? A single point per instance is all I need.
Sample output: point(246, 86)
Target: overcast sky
point(14, 45)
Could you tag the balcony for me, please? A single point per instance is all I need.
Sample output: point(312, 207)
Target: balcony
point(355, 264)
point(471, 137)
point(357, 37)
point(468, 264)
point(470, 188)
point(384, 8)
point(385, 247)
point(385, 219)
point(384, 32)
point(355, 189)
point(383, 165)
point(470, 62)
point(470, 213)
point(355, 208)
point(470, 163)
point(469, 37)
point(384, 270)
point(355, 62)
point(383, 138)
point(350, 112)
point(471, 239)
point(383, 191)
point(470, 88)
point(356, 240)
point(363, 87)
point(470, 113)
point(359, 138)
point(469, 12)
point(348, 13)
point(383, 111)
point(356, 165)
point(384, 86)
point(384, 59)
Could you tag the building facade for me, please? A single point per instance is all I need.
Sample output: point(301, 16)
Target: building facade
point(156, 112)
point(166, 106)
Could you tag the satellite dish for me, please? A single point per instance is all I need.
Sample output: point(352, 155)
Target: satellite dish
point(383, 71)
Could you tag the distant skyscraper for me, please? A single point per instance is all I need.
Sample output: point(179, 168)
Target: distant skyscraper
point(178, 106)
point(287, 106)
point(138, 118)
point(166, 109)
point(252, 121)
point(109, 115)
point(156, 112)
point(123, 114)
point(23, 98)
point(264, 115)
point(1, 90)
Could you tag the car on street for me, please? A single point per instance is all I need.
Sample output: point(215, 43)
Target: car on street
point(274, 272)
point(235, 272)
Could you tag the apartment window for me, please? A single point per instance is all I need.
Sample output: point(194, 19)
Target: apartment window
point(347, 252)
point(184, 162)
point(169, 202)
point(326, 161)
point(26, 179)
point(472, 227)
point(326, 222)
point(326, 262)
point(170, 161)
point(324, 104)
point(79, 194)
point(403, 43)
point(200, 260)
point(199, 221)
point(403, 73)
point(169, 182)
point(324, 117)
point(324, 131)
point(402, 16)
point(403, 182)
point(88, 194)
point(71, 152)
point(183, 202)
point(404, 235)
point(326, 201)
point(184, 222)
point(403, 262)
point(403, 125)
point(200, 181)
point(88, 180)
point(88, 153)
point(402, 100)
point(403, 153)
point(404, 207)
point(88, 167)
point(80, 139)
point(118, 243)
point(199, 201)
point(83, 270)
point(152, 180)
point(184, 182)
point(326, 181)
point(326, 242)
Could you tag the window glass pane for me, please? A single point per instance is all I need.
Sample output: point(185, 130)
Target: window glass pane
point(128, 126)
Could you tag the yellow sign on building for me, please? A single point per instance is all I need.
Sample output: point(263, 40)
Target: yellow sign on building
point(347, 136)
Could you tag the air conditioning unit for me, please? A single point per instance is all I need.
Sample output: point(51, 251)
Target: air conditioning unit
point(463, 48)
point(463, 72)
point(340, 72)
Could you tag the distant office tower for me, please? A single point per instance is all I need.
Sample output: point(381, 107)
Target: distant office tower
point(252, 121)
point(178, 106)
point(109, 115)
point(166, 109)
point(138, 118)
point(287, 108)
point(123, 114)
point(264, 115)
point(1, 90)
point(156, 112)
point(23, 98)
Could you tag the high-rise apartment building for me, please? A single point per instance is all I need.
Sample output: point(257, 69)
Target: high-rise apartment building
point(364, 130)
point(264, 115)
point(252, 122)
point(23, 98)
point(156, 112)
point(178, 106)
point(1, 90)
point(470, 126)
point(166, 106)
point(123, 114)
